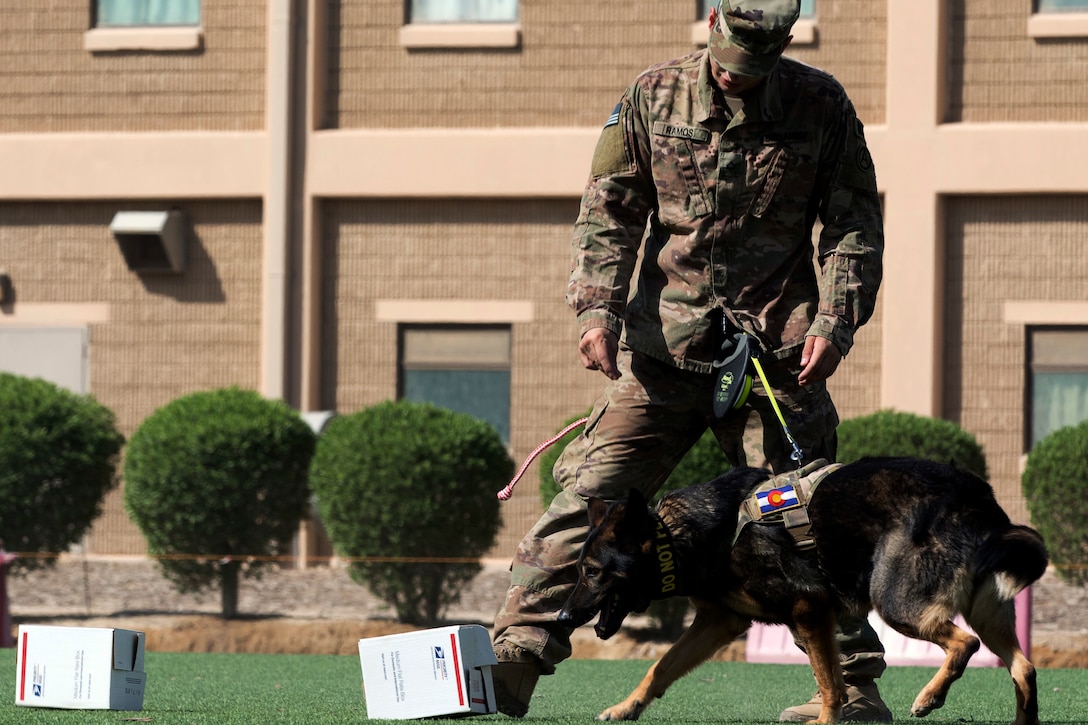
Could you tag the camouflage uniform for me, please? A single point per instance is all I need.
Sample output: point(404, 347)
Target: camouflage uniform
point(721, 200)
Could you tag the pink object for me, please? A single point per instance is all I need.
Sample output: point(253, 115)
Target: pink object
point(508, 491)
point(774, 643)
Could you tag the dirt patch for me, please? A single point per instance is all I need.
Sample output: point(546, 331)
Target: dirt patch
point(322, 611)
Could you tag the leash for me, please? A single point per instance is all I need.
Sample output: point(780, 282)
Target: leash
point(505, 494)
point(797, 454)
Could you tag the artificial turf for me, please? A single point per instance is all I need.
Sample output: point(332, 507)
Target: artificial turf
point(237, 689)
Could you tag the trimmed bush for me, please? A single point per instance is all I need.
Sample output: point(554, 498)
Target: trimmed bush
point(218, 477)
point(414, 483)
point(704, 462)
point(1055, 484)
point(58, 459)
point(891, 433)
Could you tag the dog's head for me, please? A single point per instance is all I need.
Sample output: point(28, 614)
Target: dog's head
point(615, 566)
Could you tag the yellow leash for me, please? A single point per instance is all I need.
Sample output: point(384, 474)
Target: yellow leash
point(797, 454)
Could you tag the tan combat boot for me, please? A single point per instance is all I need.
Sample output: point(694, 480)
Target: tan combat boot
point(863, 704)
point(515, 678)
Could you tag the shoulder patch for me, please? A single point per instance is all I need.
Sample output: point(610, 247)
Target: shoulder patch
point(614, 118)
point(611, 155)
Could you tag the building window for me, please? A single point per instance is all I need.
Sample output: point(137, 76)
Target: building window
point(1057, 379)
point(465, 368)
point(1061, 6)
point(132, 13)
point(463, 11)
point(808, 7)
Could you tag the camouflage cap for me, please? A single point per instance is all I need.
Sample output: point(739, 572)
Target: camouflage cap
point(749, 35)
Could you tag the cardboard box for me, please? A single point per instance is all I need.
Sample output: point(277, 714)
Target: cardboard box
point(81, 668)
point(433, 672)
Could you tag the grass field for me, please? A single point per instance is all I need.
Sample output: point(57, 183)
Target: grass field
point(240, 689)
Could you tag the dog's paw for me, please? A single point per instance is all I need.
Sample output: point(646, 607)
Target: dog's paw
point(623, 711)
point(924, 705)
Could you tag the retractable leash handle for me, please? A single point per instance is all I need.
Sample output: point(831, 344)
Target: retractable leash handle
point(797, 455)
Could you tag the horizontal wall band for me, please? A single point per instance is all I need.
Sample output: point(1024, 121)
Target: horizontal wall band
point(133, 165)
point(1046, 312)
point(461, 311)
point(53, 314)
point(491, 163)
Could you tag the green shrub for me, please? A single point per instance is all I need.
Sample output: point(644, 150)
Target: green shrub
point(1055, 484)
point(416, 482)
point(217, 477)
point(891, 433)
point(704, 462)
point(58, 459)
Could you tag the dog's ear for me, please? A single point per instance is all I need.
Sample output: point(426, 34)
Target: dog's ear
point(636, 515)
point(635, 499)
point(598, 507)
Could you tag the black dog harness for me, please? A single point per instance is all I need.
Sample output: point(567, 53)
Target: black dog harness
point(784, 500)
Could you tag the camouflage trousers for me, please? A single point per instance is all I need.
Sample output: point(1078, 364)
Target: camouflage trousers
point(639, 430)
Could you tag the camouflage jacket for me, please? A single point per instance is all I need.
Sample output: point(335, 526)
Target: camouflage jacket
point(723, 207)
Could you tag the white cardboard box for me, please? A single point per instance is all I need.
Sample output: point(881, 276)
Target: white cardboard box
point(81, 668)
point(433, 672)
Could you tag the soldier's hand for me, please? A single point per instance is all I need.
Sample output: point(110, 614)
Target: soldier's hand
point(597, 349)
point(819, 360)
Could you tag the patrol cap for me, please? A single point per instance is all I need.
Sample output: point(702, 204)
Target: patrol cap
point(748, 36)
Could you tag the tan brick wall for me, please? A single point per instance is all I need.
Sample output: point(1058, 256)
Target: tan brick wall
point(855, 386)
point(457, 250)
point(167, 335)
point(998, 73)
point(1003, 249)
point(507, 250)
point(575, 60)
point(852, 45)
point(50, 83)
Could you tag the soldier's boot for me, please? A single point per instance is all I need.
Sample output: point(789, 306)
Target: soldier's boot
point(863, 704)
point(515, 679)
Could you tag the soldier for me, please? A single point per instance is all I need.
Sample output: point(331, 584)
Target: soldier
point(716, 166)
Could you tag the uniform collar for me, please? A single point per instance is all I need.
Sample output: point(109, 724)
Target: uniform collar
point(765, 104)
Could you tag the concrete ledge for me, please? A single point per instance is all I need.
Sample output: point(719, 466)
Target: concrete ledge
point(101, 40)
point(461, 35)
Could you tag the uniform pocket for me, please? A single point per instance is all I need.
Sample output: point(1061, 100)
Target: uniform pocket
point(770, 173)
point(682, 192)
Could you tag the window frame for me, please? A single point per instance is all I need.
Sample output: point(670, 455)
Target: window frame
point(153, 37)
point(804, 31)
point(1031, 368)
point(404, 329)
point(454, 34)
point(1058, 22)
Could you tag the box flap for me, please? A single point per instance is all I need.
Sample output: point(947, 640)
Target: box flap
point(476, 646)
point(127, 690)
point(128, 650)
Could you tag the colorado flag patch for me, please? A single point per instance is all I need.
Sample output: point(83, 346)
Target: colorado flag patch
point(777, 499)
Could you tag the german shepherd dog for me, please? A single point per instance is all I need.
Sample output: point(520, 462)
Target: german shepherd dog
point(915, 540)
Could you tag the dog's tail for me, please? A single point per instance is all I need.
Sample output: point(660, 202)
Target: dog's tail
point(1015, 558)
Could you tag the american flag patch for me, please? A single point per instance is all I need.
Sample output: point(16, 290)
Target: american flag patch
point(614, 118)
point(777, 499)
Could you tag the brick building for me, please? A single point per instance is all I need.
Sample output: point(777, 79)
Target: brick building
point(362, 187)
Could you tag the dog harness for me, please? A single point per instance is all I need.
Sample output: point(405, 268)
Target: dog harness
point(784, 500)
